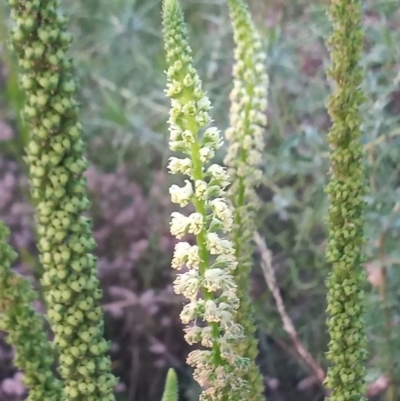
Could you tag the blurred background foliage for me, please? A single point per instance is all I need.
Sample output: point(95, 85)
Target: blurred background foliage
point(119, 58)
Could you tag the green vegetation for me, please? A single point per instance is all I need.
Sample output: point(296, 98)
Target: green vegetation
point(277, 179)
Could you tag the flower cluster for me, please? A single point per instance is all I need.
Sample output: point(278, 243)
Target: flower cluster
point(208, 283)
point(58, 187)
point(245, 139)
point(25, 328)
point(346, 189)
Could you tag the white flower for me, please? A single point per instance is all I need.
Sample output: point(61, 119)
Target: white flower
point(193, 334)
point(232, 301)
point(188, 138)
point(196, 223)
point(225, 313)
point(188, 284)
point(207, 337)
point(183, 166)
point(219, 174)
point(188, 81)
point(247, 142)
point(177, 65)
point(216, 279)
point(229, 261)
point(199, 357)
point(206, 154)
point(234, 331)
point(189, 108)
point(176, 111)
point(227, 351)
point(200, 189)
point(181, 195)
point(193, 257)
point(181, 253)
point(255, 157)
point(213, 138)
point(202, 118)
point(211, 312)
point(222, 212)
point(174, 88)
point(179, 224)
point(189, 312)
point(218, 246)
point(204, 103)
point(175, 131)
point(176, 146)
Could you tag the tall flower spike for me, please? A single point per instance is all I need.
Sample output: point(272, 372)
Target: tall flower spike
point(24, 327)
point(208, 284)
point(245, 139)
point(347, 347)
point(55, 156)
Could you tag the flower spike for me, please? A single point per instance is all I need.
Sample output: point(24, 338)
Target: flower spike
point(55, 156)
point(208, 283)
point(246, 144)
point(24, 327)
point(346, 189)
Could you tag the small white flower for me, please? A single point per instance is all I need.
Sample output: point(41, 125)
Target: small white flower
point(178, 65)
point(188, 138)
point(222, 212)
point(220, 174)
point(181, 195)
point(255, 157)
point(200, 189)
point(206, 154)
point(207, 337)
point(188, 284)
point(202, 118)
point(232, 152)
point(226, 316)
point(228, 262)
point(174, 88)
point(183, 166)
point(199, 357)
point(196, 223)
point(193, 257)
point(204, 104)
point(188, 81)
point(216, 279)
point(234, 331)
point(193, 334)
point(176, 111)
point(179, 224)
point(211, 311)
point(227, 350)
point(247, 143)
point(189, 312)
point(175, 134)
point(218, 246)
point(232, 301)
point(181, 253)
point(189, 108)
point(212, 138)
point(176, 146)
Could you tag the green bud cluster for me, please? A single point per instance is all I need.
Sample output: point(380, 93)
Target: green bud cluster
point(55, 156)
point(24, 327)
point(246, 144)
point(346, 189)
